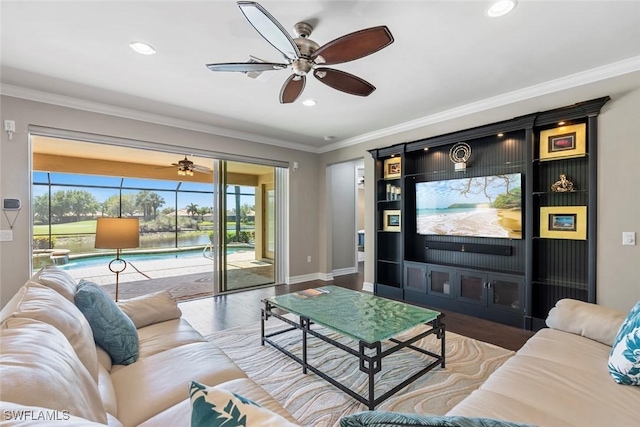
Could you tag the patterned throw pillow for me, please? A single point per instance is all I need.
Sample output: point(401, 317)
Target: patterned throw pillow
point(395, 419)
point(624, 360)
point(216, 407)
point(112, 329)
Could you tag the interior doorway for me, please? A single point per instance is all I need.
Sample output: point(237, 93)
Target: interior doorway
point(360, 216)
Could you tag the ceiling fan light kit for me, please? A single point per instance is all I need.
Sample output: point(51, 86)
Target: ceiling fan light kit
point(501, 8)
point(186, 167)
point(304, 55)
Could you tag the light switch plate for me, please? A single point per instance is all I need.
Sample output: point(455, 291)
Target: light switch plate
point(6, 235)
point(629, 238)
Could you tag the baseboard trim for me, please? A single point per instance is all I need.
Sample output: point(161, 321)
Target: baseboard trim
point(367, 287)
point(325, 277)
point(344, 271)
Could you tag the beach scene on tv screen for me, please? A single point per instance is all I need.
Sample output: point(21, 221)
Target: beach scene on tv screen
point(486, 206)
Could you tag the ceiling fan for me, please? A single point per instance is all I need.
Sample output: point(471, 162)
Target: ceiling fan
point(186, 167)
point(304, 55)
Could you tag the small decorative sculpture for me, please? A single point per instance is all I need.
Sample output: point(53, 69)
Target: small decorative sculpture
point(459, 154)
point(563, 185)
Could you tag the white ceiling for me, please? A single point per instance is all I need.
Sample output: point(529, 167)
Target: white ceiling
point(447, 56)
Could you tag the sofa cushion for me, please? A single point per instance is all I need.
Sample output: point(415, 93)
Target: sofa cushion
point(46, 305)
point(212, 405)
point(151, 308)
point(179, 415)
point(592, 321)
point(112, 329)
point(166, 335)
point(395, 419)
point(58, 280)
point(556, 379)
point(624, 360)
point(155, 383)
point(39, 367)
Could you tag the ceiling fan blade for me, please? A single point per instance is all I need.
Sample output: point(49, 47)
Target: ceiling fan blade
point(269, 28)
point(292, 88)
point(354, 46)
point(202, 169)
point(245, 67)
point(344, 82)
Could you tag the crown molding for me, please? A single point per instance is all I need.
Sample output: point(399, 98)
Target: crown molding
point(95, 107)
point(593, 75)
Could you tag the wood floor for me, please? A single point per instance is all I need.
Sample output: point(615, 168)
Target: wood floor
point(220, 312)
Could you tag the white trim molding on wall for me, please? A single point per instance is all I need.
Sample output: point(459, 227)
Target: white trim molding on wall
point(325, 277)
point(344, 271)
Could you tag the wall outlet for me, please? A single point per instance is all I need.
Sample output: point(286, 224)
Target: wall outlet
point(309, 258)
point(6, 235)
point(629, 238)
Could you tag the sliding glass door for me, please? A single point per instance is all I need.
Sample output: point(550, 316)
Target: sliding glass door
point(246, 223)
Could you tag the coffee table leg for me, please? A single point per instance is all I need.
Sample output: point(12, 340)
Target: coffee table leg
point(264, 317)
point(441, 335)
point(370, 365)
point(304, 322)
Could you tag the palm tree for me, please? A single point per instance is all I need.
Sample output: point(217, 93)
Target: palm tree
point(155, 200)
point(192, 209)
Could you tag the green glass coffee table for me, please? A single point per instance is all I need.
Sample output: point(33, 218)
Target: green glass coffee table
point(366, 318)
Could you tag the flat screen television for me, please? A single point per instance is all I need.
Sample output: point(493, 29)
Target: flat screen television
point(485, 206)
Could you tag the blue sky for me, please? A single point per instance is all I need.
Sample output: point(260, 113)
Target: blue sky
point(442, 194)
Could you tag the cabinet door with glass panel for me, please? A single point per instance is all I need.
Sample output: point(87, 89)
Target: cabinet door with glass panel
point(440, 281)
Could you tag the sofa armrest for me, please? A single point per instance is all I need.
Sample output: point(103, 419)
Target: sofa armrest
point(588, 320)
point(148, 309)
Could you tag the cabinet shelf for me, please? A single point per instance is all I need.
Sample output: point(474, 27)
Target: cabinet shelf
point(559, 239)
point(388, 261)
point(389, 201)
point(546, 193)
point(559, 159)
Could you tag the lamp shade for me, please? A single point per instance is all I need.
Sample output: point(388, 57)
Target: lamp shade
point(117, 233)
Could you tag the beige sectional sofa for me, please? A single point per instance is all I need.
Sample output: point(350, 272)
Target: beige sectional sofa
point(51, 367)
point(560, 377)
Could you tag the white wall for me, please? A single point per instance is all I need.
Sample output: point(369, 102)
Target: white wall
point(618, 278)
point(15, 167)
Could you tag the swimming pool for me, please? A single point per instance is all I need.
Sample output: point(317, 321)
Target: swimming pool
point(101, 260)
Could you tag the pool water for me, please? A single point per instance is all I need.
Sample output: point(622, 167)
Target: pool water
point(101, 260)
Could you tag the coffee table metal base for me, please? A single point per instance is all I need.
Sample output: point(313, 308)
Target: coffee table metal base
point(370, 355)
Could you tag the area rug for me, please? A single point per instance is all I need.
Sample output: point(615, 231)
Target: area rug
point(315, 402)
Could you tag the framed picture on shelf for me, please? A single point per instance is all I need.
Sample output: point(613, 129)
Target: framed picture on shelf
point(563, 222)
point(563, 142)
point(392, 168)
point(391, 220)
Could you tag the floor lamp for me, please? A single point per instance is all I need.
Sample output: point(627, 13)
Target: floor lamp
point(117, 233)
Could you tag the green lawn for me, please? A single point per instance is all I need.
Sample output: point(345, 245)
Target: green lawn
point(68, 228)
point(90, 227)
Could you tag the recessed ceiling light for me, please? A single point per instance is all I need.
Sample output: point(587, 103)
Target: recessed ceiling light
point(142, 48)
point(501, 134)
point(560, 123)
point(329, 138)
point(501, 8)
point(309, 102)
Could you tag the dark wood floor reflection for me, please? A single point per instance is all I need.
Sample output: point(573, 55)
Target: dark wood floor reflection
point(227, 311)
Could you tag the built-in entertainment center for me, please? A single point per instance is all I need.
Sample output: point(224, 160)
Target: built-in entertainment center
point(497, 221)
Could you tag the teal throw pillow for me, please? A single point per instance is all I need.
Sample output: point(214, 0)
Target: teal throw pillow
point(216, 407)
point(112, 329)
point(624, 359)
point(394, 419)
